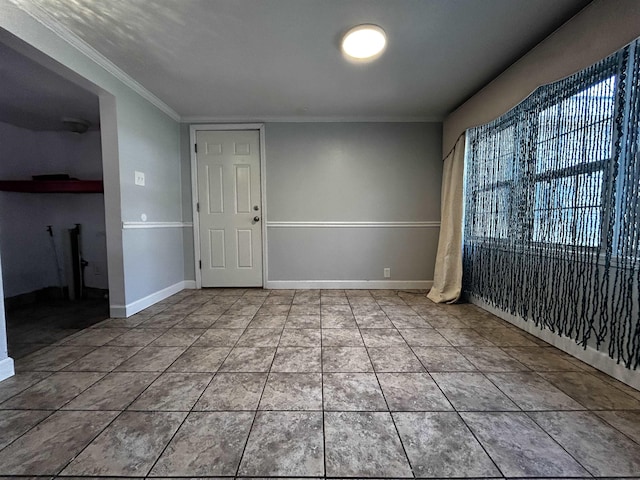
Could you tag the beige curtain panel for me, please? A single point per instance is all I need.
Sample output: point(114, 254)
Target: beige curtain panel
point(447, 277)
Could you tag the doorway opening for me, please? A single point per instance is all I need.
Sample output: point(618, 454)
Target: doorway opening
point(52, 210)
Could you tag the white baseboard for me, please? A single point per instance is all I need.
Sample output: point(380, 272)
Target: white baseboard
point(124, 311)
point(349, 284)
point(6, 368)
point(591, 356)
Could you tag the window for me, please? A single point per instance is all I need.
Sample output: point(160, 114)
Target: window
point(537, 175)
point(552, 208)
point(572, 150)
point(492, 202)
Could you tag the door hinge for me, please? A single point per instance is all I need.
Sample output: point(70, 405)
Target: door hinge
point(195, 146)
point(200, 264)
point(198, 207)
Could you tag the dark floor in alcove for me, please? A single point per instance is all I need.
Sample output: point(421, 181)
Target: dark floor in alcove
point(32, 327)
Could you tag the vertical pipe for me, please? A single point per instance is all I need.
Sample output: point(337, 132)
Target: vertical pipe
point(78, 263)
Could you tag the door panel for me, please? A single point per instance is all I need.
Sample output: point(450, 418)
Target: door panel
point(244, 249)
point(216, 245)
point(228, 175)
point(243, 188)
point(215, 190)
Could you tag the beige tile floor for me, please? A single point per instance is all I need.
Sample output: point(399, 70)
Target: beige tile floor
point(257, 383)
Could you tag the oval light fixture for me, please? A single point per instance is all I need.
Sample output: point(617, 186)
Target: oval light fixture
point(364, 42)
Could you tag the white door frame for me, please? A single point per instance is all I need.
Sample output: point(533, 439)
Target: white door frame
point(194, 190)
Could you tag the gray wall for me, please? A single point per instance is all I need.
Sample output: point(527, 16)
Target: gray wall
point(352, 172)
point(345, 172)
point(187, 209)
point(150, 142)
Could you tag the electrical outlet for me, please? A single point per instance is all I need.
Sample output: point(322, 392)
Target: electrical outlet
point(97, 271)
point(139, 178)
point(387, 273)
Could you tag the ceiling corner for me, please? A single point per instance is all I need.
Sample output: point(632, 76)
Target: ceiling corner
point(76, 42)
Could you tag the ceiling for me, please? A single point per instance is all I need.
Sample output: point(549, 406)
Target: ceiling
point(34, 97)
point(270, 59)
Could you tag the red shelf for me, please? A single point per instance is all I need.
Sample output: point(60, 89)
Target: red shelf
point(52, 186)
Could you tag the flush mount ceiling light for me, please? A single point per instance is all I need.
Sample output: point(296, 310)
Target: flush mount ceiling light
point(364, 42)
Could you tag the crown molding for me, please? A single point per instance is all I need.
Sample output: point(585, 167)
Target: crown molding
point(83, 47)
point(62, 32)
point(195, 119)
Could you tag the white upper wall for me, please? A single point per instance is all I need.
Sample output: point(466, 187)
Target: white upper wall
point(28, 258)
point(27, 152)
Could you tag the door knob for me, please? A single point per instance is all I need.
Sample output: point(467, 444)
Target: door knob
point(256, 219)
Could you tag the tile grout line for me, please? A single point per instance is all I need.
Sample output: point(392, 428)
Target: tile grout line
point(559, 445)
point(590, 374)
point(50, 373)
point(64, 369)
point(255, 414)
point(594, 412)
point(199, 397)
point(100, 432)
point(520, 411)
point(51, 412)
point(516, 403)
point(393, 421)
point(121, 412)
point(457, 412)
point(324, 433)
point(317, 409)
point(527, 412)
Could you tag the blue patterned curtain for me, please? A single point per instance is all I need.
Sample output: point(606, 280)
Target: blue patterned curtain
point(552, 208)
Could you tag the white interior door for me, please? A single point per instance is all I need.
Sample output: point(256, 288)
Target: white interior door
point(228, 167)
